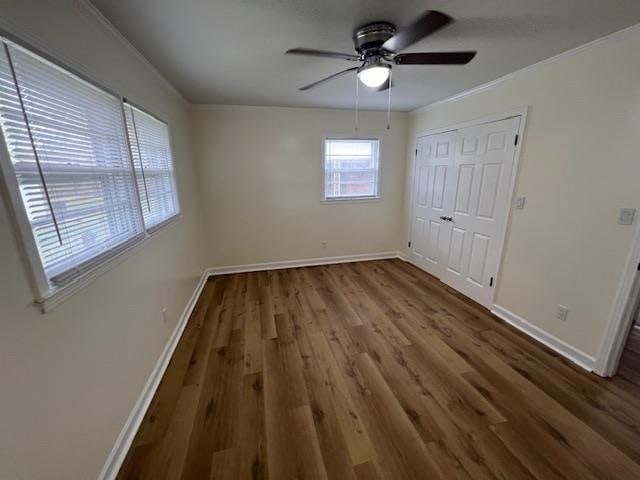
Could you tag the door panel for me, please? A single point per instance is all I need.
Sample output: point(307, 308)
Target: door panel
point(423, 180)
point(439, 179)
point(430, 200)
point(488, 190)
point(455, 250)
point(463, 194)
point(478, 258)
point(419, 228)
point(478, 186)
point(433, 241)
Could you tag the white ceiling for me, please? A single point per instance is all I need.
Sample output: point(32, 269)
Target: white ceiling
point(231, 51)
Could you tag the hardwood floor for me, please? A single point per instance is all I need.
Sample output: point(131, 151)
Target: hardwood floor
point(628, 375)
point(373, 370)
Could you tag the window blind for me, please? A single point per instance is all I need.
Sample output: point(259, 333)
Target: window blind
point(151, 151)
point(69, 151)
point(351, 168)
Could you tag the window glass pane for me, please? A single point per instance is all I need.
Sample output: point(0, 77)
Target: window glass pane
point(70, 155)
point(351, 168)
point(153, 163)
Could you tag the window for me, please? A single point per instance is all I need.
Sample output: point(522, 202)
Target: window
point(149, 139)
point(351, 168)
point(69, 171)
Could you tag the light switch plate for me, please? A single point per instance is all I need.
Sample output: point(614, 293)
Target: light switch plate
point(626, 216)
point(520, 202)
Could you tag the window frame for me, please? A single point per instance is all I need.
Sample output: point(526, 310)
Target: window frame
point(48, 294)
point(351, 199)
point(176, 194)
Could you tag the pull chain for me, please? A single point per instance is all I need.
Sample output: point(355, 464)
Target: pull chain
point(45, 187)
point(389, 103)
point(357, 98)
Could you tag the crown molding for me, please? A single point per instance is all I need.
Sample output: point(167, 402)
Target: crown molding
point(20, 33)
point(92, 10)
point(238, 106)
point(612, 37)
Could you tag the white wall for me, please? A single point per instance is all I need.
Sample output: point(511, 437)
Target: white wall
point(580, 163)
point(69, 378)
point(260, 172)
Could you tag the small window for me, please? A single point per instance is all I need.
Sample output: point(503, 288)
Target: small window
point(151, 151)
point(351, 168)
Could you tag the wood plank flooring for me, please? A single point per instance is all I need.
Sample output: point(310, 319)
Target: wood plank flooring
point(373, 370)
point(628, 374)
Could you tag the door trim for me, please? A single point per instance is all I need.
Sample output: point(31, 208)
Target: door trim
point(495, 117)
point(621, 315)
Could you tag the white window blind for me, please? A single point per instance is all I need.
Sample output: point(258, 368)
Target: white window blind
point(68, 148)
point(351, 168)
point(151, 150)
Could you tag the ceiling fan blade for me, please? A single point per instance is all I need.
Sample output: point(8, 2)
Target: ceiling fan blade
point(426, 24)
point(434, 58)
point(310, 52)
point(330, 77)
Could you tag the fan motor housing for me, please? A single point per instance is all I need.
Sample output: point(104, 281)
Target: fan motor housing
point(370, 37)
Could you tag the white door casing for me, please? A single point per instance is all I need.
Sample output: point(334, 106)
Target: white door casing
point(429, 232)
point(463, 248)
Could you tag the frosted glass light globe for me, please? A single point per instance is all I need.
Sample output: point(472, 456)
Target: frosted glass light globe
point(374, 75)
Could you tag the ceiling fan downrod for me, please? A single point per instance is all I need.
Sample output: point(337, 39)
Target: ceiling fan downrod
point(389, 102)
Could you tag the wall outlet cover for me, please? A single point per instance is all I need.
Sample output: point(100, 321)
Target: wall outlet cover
point(626, 216)
point(562, 312)
point(520, 201)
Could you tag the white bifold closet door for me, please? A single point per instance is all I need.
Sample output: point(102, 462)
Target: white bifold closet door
point(462, 182)
point(433, 168)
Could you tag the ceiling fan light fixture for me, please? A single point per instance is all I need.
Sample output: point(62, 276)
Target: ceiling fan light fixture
point(374, 75)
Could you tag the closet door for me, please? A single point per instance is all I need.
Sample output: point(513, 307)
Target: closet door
point(478, 192)
point(430, 203)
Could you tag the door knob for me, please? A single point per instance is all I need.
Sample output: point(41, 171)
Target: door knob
point(449, 219)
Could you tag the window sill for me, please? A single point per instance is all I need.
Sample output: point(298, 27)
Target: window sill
point(350, 200)
point(58, 294)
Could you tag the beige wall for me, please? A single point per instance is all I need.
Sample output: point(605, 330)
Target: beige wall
point(579, 165)
point(70, 378)
point(260, 172)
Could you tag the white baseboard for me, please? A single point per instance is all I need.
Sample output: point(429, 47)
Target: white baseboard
point(128, 432)
point(308, 262)
point(563, 348)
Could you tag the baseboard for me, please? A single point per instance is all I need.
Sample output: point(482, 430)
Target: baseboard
point(128, 432)
point(308, 262)
point(563, 348)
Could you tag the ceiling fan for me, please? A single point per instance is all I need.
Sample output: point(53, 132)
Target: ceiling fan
point(377, 45)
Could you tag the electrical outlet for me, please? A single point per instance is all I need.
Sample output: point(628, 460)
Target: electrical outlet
point(562, 312)
point(520, 202)
point(324, 244)
point(626, 216)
